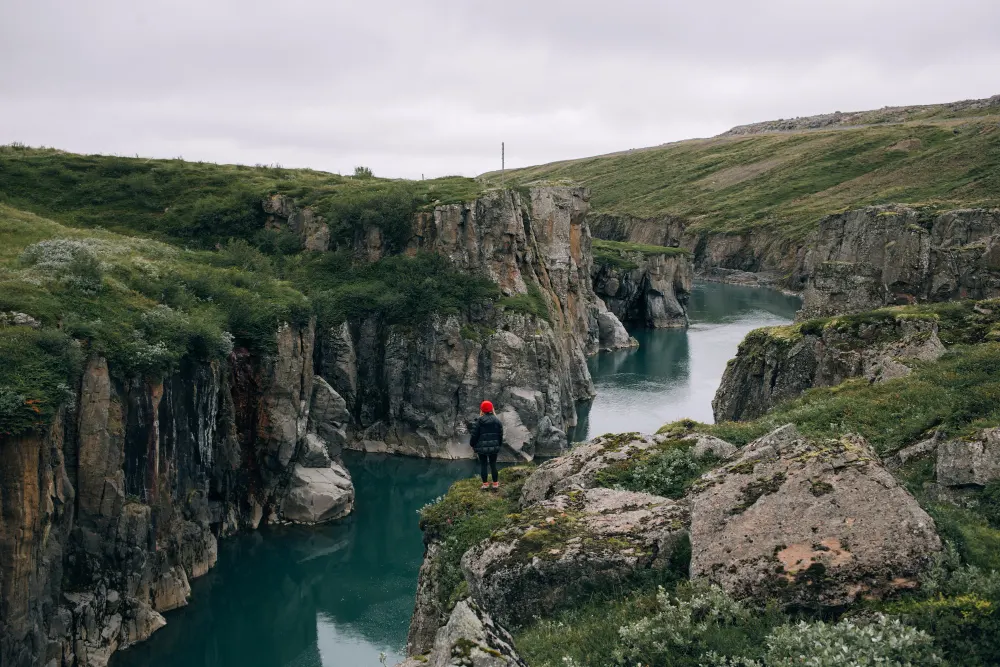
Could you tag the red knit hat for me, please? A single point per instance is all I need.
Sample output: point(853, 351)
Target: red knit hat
point(486, 406)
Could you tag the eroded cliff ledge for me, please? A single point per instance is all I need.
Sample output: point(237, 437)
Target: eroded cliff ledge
point(414, 389)
point(644, 286)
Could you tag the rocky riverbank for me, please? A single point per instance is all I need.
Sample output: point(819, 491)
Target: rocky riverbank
point(565, 532)
point(855, 261)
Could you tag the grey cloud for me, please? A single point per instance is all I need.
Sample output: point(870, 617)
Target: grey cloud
point(433, 87)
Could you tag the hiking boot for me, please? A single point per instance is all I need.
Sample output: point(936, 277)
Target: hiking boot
point(485, 486)
point(496, 486)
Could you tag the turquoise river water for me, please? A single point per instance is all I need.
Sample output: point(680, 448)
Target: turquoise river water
point(340, 595)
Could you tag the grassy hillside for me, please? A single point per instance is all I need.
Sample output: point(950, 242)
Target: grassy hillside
point(787, 181)
point(201, 204)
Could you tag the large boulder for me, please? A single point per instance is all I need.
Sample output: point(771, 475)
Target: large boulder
point(810, 523)
point(579, 468)
point(470, 638)
point(970, 461)
point(318, 495)
point(561, 550)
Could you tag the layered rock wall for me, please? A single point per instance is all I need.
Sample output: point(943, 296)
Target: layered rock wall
point(107, 516)
point(858, 260)
point(871, 257)
point(779, 363)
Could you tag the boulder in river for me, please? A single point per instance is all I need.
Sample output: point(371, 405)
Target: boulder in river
point(811, 523)
point(318, 495)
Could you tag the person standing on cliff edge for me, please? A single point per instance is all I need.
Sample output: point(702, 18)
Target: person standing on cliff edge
point(486, 440)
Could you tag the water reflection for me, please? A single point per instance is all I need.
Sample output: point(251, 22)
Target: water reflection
point(335, 596)
point(675, 373)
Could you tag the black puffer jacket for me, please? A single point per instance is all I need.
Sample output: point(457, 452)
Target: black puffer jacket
point(487, 434)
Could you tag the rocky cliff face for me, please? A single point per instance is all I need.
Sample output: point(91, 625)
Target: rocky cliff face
point(776, 364)
point(858, 260)
point(646, 290)
point(414, 390)
point(871, 257)
point(107, 516)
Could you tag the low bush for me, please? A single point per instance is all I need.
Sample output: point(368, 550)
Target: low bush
point(665, 470)
point(532, 302)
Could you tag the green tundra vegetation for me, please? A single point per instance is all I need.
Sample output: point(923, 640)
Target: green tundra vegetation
point(953, 618)
point(149, 262)
point(786, 182)
point(202, 204)
point(617, 253)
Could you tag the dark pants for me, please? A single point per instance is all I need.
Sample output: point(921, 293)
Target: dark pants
point(492, 460)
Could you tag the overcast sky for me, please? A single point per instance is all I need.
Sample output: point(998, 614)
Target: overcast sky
point(411, 87)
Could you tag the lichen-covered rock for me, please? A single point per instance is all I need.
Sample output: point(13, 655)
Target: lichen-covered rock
point(428, 612)
point(470, 639)
point(775, 364)
point(562, 549)
point(708, 445)
point(809, 523)
point(318, 495)
point(971, 461)
point(576, 469)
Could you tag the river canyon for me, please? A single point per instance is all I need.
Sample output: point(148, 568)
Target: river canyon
point(341, 594)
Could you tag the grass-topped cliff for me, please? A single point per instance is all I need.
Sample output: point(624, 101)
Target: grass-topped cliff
point(786, 181)
point(149, 262)
point(201, 204)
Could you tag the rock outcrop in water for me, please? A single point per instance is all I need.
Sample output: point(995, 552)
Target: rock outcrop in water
point(413, 390)
point(776, 364)
point(107, 516)
point(646, 290)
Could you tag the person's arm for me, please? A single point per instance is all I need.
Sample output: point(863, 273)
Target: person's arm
point(474, 434)
point(501, 430)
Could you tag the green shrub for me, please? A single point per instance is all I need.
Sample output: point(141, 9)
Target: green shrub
point(615, 253)
point(398, 290)
point(849, 643)
point(959, 394)
point(532, 302)
point(666, 470)
point(38, 368)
